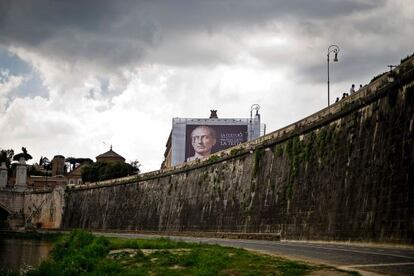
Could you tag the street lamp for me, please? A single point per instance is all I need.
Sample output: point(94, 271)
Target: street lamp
point(391, 74)
point(253, 107)
point(332, 49)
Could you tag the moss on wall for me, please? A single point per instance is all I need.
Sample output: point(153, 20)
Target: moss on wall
point(344, 177)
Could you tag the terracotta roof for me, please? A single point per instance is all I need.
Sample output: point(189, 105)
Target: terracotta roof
point(110, 154)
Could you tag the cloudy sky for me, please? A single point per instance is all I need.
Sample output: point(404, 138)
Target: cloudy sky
point(77, 76)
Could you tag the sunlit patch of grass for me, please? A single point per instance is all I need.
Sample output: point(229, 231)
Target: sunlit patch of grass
point(81, 253)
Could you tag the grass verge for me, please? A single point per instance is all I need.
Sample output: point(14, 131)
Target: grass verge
point(81, 253)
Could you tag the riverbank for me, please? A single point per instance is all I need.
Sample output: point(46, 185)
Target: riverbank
point(80, 252)
point(31, 235)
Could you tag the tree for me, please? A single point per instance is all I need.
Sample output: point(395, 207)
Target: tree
point(103, 171)
point(135, 165)
point(6, 156)
point(73, 161)
point(45, 163)
point(83, 160)
point(23, 154)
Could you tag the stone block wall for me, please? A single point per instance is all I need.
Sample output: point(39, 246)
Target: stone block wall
point(44, 209)
point(12, 205)
point(12, 201)
point(344, 173)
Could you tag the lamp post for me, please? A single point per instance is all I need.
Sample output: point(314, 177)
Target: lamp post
point(331, 49)
point(391, 74)
point(253, 107)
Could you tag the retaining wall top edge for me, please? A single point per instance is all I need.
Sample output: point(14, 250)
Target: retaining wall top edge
point(314, 119)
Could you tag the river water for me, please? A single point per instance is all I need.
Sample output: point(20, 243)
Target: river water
point(18, 253)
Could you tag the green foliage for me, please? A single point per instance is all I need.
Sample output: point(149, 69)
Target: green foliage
point(109, 267)
point(45, 163)
point(289, 148)
point(236, 151)
point(294, 148)
point(80, 253)
point(295, 152)
point(213, 158)
point(378, 76)
point(406, 58)
point(309, 145)
point(278, 150)
point(100, 171)
point(245, 263)
point(73, 161)
point(257, 156)
point(302, 150)
point(6, 156)
point(135, 165)
point(207, 260)
point(323, 139)
point(161, 243)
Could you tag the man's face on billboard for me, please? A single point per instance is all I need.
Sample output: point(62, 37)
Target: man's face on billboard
point(202, 140)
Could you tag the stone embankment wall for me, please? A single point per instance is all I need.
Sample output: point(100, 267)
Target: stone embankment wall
point(12, 202)
point(44, 208)
point(344, 173)
point(28, 208)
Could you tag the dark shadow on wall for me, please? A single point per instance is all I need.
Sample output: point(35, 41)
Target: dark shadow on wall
point(3, 219)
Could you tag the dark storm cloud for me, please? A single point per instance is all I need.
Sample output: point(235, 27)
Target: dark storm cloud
point(77, 30)
point(121, 33)
point(351, 66)
point(33, 22)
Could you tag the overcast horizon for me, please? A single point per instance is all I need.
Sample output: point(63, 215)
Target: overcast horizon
point(78, 76)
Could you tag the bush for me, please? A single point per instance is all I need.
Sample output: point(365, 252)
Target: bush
point(79, 252)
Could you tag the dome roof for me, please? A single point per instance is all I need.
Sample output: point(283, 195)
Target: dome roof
point(110, 156)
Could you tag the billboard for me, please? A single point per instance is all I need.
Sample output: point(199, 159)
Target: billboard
point(194, 138)
point(202, 140)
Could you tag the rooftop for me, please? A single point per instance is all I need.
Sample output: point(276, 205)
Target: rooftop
point(110, 154)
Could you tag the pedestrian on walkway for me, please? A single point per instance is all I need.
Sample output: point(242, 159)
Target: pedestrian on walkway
point(352, 90)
